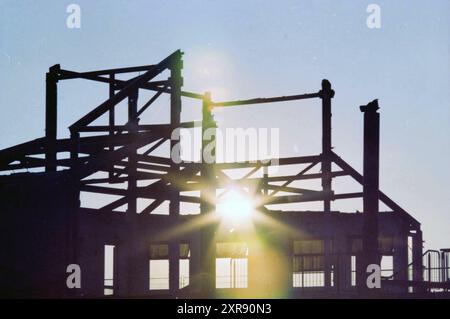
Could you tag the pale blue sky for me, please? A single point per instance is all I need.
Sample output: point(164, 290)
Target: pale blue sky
point(243, 49)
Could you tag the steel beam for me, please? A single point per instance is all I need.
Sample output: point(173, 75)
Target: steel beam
point(51, 96)
point(120, 84)
point(349, 170)
point(266, 100)
point(124, 92)
point(111, 118)
point(371, 254)
point(107, 72)
point(176, 82)
point(326, 94)
point(207, 276)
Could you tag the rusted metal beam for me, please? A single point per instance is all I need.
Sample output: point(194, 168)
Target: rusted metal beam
point(111, 118)
point(150, 208)
point(287, 189)
point(142, 127)
point(148, 103)
point(284, 178)
point(51, 97)
point(12, 153)
point(371, 255)
point(349, 170)
point(123, 93)
point(120, 84)
point(347, 195)
point(75, 75)
point(266, 100)
point(206, 267)
point(287, 199)
point(290, 180)
point(326, 94)
point(176, 82)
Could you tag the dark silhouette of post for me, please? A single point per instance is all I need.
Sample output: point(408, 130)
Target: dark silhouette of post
point(176, 82)
point(370, 186)
point(111, 120)
point(326, 94)
point(417, 251)
point(208, 194)
point(130, 273)
point(51, 95)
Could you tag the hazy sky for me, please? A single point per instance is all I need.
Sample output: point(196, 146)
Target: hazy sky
point(244, 49)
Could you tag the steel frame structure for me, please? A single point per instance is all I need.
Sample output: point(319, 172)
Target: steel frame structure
point(118, 151)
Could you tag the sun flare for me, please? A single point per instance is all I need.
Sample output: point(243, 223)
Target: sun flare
point(235, 206)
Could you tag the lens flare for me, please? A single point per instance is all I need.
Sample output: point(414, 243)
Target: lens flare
point(235, 206)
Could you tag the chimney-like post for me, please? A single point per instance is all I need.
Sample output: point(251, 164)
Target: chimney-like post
point(370, 185)
point(51, 117)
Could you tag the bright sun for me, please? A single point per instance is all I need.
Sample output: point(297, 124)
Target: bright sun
point(235, 206)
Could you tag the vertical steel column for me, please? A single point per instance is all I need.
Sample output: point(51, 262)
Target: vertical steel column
point(400, 258)
point(51, 94)
point(74, 252)
point(417, 252)
point(443, 266)
point(371, 185)
point(137, 252)
point(72, 225)
point(429, 268)
point(208, 195)
point(326, 94)
point(132, 159)
point(111, 119)
point(176, 82)
point(130, 274)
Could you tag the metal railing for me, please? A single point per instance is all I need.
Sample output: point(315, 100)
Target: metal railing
point(436, 270)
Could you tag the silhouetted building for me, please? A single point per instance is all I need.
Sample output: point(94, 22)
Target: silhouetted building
point(126, 248)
